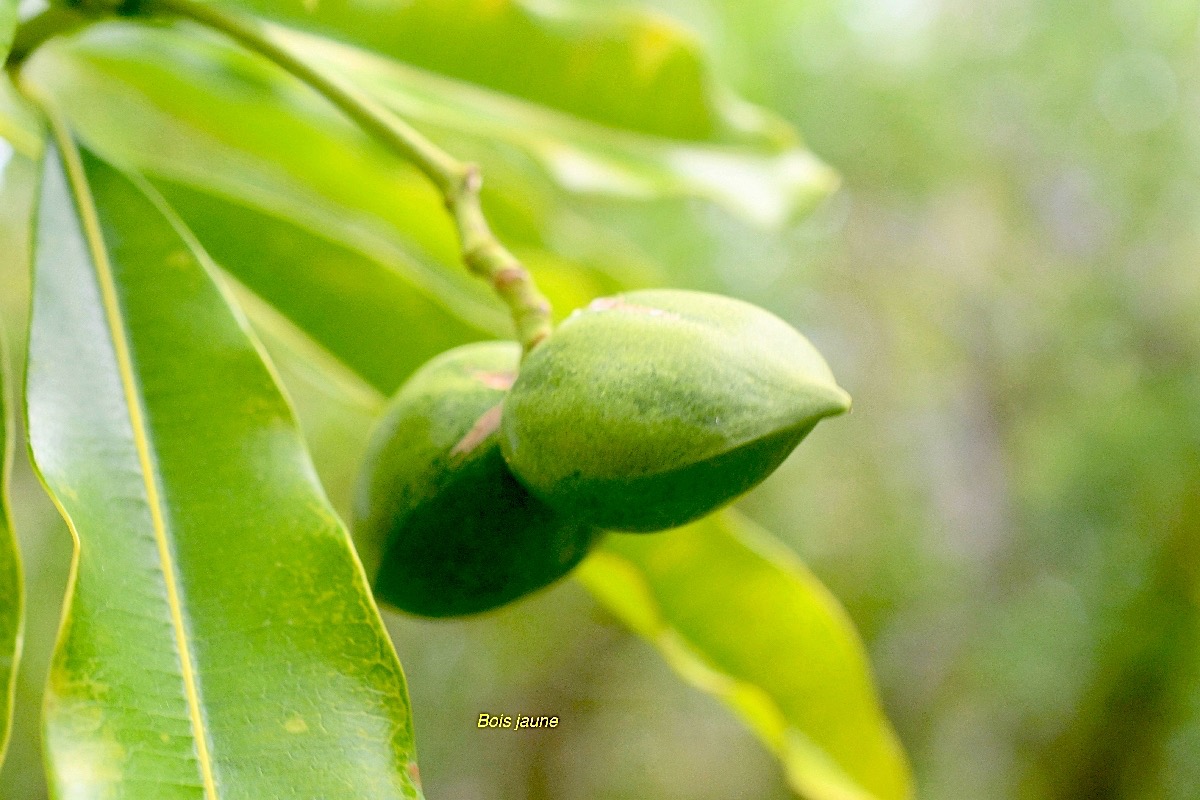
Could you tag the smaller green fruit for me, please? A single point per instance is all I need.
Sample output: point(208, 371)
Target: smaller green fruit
point(650, 409)
point(437, 510)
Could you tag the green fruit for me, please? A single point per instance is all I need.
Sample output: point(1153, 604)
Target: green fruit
point(647, 410)
point(437, 509)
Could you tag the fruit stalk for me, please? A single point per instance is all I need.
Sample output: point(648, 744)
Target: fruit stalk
point(459, 183)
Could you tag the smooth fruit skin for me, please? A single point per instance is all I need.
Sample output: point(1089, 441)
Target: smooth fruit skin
point(438, 510)
point(650, 409)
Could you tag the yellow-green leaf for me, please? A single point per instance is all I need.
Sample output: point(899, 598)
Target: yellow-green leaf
point(219, 640)
point(19, 126)
point(200, 111)
point(624, 68)
point(737, 615)
point(12, 599)
point(767, 184)
point(8, 26)
point(207, 115)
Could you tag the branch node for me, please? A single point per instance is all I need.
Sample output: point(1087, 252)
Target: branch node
point(472, 179)
point(459, 183)
point(507, 277)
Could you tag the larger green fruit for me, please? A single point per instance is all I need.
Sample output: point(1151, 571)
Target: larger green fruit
point(650, 409)
point(449, 528)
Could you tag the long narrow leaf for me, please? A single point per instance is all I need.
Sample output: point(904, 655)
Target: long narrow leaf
point(625, 68)
point(219, 640)
point(19, 126)
point(186, 98)
point(766, 185)
point(12, 599)
point(737, 615)
point(8, 26)
point(203, 114)
point(336, 291)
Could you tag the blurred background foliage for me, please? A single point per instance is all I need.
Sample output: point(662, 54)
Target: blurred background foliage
point(1007, 284)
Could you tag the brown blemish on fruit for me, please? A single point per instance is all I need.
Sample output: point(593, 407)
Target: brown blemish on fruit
point(621, 304)
point(495, 380)
point(484, 427)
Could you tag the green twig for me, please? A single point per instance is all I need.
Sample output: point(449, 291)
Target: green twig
point(458, 182)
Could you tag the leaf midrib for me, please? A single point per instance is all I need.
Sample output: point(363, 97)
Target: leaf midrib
point(86, 205)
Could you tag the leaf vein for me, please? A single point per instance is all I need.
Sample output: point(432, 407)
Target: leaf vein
point(107, 285)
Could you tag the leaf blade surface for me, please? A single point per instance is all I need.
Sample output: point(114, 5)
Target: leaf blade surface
point(625, 68)
point(164, 76)
point(12, 589)
point(735, 614)
point(220, 640)
point(8, 26)
point(767, 184)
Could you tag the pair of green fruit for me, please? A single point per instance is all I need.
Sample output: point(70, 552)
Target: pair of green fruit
point(489, 478)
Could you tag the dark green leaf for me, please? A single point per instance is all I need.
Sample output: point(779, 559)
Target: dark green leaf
point(219, 639)
point(345, 301)
point(336, 294)
point(737, 615)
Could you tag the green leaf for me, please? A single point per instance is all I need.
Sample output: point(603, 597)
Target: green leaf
point(766, 185)
point(8, 26)
point(12, 597)
point(19, 125)
point(737, 615)
point(202, 113)
point(198, 110)
point(298, 205)
point(623, 68)
point(219, 638)
point(345, 301)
